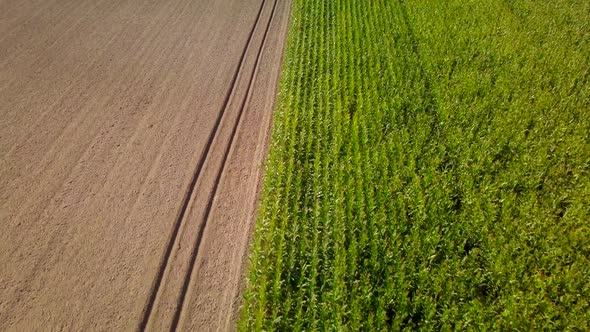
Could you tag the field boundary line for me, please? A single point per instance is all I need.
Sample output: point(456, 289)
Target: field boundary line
point(433, 103)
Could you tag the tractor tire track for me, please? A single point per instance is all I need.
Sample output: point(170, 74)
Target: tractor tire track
point(195, 177)
point(203, 228)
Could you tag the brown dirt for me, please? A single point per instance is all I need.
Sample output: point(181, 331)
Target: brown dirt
point(132, 138)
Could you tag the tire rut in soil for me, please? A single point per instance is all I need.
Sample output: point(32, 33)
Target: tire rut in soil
point(180, 220)
point(202, 230)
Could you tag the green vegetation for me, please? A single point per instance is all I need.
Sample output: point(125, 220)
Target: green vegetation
point(429, 169)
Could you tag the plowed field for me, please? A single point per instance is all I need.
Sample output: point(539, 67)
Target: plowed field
point(132, 135)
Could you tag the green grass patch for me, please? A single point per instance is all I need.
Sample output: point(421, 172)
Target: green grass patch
point(429, 169)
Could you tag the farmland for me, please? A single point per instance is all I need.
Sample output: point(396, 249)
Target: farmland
point(429, 169)
point(132, 139)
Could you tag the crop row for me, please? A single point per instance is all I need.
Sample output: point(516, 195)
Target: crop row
point(429, 168)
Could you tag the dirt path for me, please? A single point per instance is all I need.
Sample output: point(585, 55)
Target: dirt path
point(132, 137)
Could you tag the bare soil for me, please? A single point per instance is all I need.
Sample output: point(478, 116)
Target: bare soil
point(132, 140)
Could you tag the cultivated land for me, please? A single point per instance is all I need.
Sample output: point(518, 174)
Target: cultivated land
point(132, 135)
point(429, 169)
